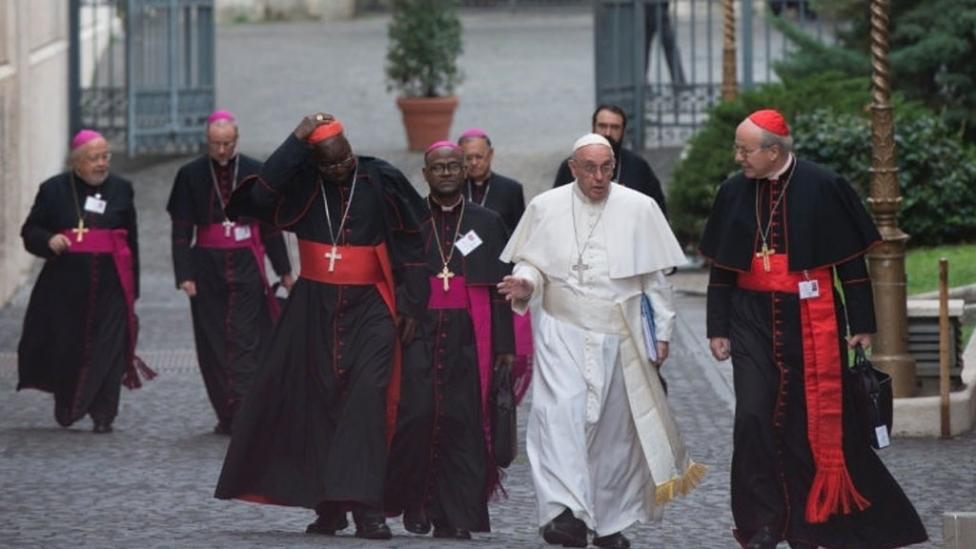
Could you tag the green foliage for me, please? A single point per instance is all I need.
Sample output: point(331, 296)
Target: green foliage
point(424, 43)
point(709, 160)
point(932, 46)
point(922, 267)
point(830, 125)
point(935, 170)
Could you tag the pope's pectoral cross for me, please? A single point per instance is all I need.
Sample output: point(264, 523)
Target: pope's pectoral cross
point(446, 275)
point(228, 225)
point(765, 253)
point(80, 230)
point(579, 267)
point(332, 256)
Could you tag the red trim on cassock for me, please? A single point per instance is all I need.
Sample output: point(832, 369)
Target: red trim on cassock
point(832, 491)
point(359, 266)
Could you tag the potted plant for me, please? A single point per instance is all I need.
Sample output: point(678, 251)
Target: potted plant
point(421, 65)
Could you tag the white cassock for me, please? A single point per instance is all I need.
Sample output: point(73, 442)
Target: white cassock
point(601, 439)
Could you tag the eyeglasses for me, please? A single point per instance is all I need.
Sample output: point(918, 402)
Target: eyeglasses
point(105, 157)
point(452, 168)
point(605, 169)
point(738, 149)
point(347, 161)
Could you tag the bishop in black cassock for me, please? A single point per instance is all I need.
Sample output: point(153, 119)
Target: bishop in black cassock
point(631, 170)
point(220, 265)
point(79, 334)
point(802, 467)
point(315, 428)
point(483, 186)
point(442, 469)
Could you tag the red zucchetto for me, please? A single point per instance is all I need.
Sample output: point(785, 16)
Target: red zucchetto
point(325, 131)
point(770, 120)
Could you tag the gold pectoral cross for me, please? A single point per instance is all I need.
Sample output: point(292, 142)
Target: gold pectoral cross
point(80, 230)
point(332, 256)
point(228, 225)
point(765, 253)
point(446, 275)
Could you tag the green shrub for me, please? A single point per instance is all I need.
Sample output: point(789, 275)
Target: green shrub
point(936, 171)
point(424, 44)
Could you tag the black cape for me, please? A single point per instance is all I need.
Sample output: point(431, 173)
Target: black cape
point(632, 171)
point(772, 462)
point(231, 320)
point(313, 427)
point(827, 222)
point(500, 194)
point(75, 337)
point(439, 459)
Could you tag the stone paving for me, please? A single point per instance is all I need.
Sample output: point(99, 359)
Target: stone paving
point(150, 483)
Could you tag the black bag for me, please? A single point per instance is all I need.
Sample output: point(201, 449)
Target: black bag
point(504, 423)
point(872, 399)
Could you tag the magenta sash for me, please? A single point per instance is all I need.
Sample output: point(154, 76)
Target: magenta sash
point(475, 299)
point(214, 236)
point(116, 242)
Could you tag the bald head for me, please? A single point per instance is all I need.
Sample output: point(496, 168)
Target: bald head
point(222, 140)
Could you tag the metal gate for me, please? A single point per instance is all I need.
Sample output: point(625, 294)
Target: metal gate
point(142, 72)
point(661, 60)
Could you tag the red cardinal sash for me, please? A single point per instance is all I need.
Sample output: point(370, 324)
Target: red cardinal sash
point(832, 491)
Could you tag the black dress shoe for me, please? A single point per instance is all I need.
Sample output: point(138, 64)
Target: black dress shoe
point(371, 525)
point(102, 427)
point(222, 428)
point(613, 541)
point(416, 522)
point(764, 538)
point(328, 523)
point(565, 530)
point(449, 532)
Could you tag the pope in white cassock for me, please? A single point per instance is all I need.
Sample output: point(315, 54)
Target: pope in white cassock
point(604, 449)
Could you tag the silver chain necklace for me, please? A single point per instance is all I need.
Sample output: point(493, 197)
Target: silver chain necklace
point(484, 197)
point(579, 267)
point(227, 223)
point(333, 255)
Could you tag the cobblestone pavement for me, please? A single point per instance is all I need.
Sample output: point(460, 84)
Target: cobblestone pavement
point(150, 483)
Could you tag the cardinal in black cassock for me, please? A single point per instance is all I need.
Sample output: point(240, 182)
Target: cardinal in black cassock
point(220, 265)
point(631, 169)
point(80, 329)
point(315, 428)
point(442, 469)
point(802, 466)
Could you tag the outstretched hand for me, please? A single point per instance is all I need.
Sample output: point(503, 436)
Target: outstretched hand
point(515, 288)
point(310, 122)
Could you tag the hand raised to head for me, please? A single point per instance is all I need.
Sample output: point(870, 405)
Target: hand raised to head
point(310, 122)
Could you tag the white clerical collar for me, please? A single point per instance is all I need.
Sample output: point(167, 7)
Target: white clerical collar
point(451, 207)
point(779, 174)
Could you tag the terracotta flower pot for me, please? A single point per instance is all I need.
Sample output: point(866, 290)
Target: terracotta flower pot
point(427, 119)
